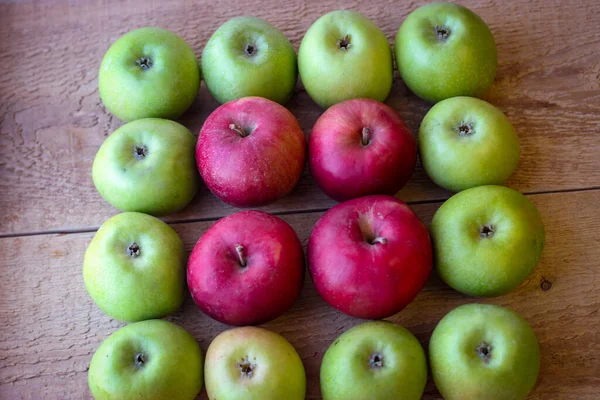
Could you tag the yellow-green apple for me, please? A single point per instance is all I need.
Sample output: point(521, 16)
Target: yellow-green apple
point(246, 269)
point(148, 360)
point(251, 363)
point(134, 268)
point(250, 152)
point(466, 142)
point(149, 72)
point(484, 351)
point(374, 360)
point(148, 166)
point(344, 55)
point(247, 56)
point(445, 50)
point(487, 240)
point(370, 256)
point(360, 147)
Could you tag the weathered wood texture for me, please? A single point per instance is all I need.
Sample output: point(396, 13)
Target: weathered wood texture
point(50, 327)
point(52, 120)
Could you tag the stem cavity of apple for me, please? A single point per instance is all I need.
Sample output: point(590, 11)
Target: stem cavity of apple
point(344, 43)
point(144, 63)
point(376, 361)
point(442, 32)
point(140, 360)
point(484, 351)
point(366, 136)
point(239, 249)
point(250, 50)
point(238, 129)
point(464, 128)
point(133, 250)
point(140, 152)
point(380, 240)
point(487, 231)
point(246, 367)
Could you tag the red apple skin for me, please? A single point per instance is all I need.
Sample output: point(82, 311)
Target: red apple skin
point(259, 168)
point(344, 167)
point(256, 293)
point(363, 280)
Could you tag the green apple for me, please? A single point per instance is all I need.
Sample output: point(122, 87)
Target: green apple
point(134, 268)
point(149, 166)
point(466, 142)
point(149, 72)
point(152, 360)
point(251, 363)
point(344, 55)
point(247, 56)
point(375, 360)
point(487, 240)
point(445, 50)
point(483, 351)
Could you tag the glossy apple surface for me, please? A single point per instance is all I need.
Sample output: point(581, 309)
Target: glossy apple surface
point(149, 73)
point(484, 351)
point(247, 56)
point(344, 55)
point(445, 50)
point(251, 363)
point(251, 152)
point(369, 257)
point(374, 360)
point(361, 147)
point(246, 269)
point(487, 240)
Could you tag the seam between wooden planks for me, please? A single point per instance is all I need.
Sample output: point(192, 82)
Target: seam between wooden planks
point(278, 213)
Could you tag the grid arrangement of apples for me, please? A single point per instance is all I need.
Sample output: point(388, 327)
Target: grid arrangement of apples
point(368, 256)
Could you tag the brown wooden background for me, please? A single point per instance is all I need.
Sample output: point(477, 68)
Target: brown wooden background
point(52, 123)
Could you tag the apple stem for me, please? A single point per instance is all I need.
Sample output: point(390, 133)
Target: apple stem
point(241, 256)
point(381, 240)
point(366, 136)
point(238, 129)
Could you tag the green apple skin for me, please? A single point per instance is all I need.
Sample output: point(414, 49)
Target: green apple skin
point(457, 354)
point(251, 363)
point(332, 74)
point(487, 240)
point(165, 89)
point(350, 370)
point(134, 268)
point(247, 56)
point(152, 360)
point(149, 166)
point(436, 68)
point(466, 142)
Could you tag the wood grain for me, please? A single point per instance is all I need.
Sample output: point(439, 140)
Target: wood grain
point(51, 327)
point(52, 120)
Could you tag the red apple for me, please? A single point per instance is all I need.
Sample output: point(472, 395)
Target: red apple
point(369, 257)
point(361, 147)
point(246, 269)
point(250, 152)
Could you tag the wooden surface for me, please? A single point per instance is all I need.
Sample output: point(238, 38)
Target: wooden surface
point(52, 123)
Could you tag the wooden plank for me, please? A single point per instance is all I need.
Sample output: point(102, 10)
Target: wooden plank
point(52, 121)
point(51, 327)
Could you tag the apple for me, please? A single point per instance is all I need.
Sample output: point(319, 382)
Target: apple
point(487, 240)
point(147, 360)
point(374, 360)
point(148, 166)
point(360, 147)
point(466, 142)
point(247, 269)
point(149, 72)
point(251, 363)
point(484, 351)
point(134, 268)
point(344, 55)
point(250, 152)
point(369, 257)
point(445, 50)
point(247, 56)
